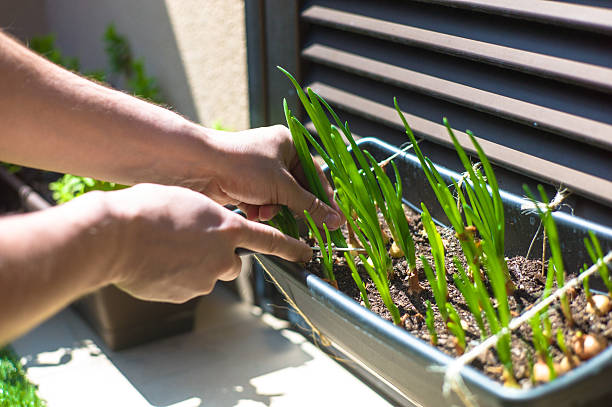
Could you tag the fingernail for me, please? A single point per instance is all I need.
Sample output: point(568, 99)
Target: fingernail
point(333, 221)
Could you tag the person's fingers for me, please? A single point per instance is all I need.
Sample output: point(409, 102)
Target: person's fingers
point(298, 173)
point(250, 211)
point(298, 200)
point(268, 240)
point(234, 271)
point(267, 212)
point(259, 212)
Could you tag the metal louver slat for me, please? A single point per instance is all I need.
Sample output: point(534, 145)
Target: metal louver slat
point(574, 72)
point(564, 124)
point(531, 78)
point(545, 170)
point(548, 12)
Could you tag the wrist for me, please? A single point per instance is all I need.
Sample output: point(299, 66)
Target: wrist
point(195, 159)
point(205, 162)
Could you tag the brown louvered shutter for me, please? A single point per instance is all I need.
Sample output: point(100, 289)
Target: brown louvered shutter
point(532, 79)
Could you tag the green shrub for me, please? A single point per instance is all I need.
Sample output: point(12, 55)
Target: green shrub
point(15, 389)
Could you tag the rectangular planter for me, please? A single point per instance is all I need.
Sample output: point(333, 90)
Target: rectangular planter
point(403, 361)
point(123, 321)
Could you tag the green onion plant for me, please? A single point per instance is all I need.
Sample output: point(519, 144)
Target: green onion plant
point(285, 222)
point(596, 254)
point(327, 255)
point(368, 232)
point(545, 214)
point(396, 217)
point(357, 278)
point(437, 281)
point(470, 295)
point(429, 321)
point(356, 184)
point(585, 285)
point(483, 213)
point(485, 209)
point(541, 345)
point(465, 233)
point(312, 176)
point(501, 318)
point(455, 327)
point(541, 326)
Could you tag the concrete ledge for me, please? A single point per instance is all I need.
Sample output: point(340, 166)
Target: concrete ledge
point(234, 357)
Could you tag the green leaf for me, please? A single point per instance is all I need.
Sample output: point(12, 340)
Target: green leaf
point(470, 295)
point(429, 321)
point(326, 254)
point(357, 279)
point(454, 325)
point(438, 292)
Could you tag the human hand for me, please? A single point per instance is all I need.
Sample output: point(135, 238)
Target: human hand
point(174, 243)
point(259, 169)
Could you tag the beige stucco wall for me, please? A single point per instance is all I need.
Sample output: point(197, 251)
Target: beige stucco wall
point(195, 48)
point(212, 42)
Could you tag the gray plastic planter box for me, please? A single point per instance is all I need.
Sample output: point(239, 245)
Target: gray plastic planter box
point(403, 361)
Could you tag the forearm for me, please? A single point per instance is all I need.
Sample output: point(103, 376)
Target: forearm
point(56, 120)
point(50, 258)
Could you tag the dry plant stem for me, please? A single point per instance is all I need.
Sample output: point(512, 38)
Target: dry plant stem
point(554, 205)
point(315, 331)
point(452, 376)
point(402, 151)
point(535, 236)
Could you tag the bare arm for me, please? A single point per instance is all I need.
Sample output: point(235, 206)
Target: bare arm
point(155, 242)
point(43, 257)
point(56, 120)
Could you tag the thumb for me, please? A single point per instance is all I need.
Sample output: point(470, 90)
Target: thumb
point(298, 200)
point(268, 240)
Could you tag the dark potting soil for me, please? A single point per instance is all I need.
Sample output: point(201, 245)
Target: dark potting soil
point(527, 275)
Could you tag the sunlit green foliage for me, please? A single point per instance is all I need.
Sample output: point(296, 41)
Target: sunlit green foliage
point(121, 62)
point(70, 186)
point(545, 213)
point(596, 254)
point(15, 389)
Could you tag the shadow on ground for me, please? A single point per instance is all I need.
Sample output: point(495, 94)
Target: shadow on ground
point(225, 361)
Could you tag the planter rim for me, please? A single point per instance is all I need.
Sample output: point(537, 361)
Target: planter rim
point(506, 196)
point(375, 325)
